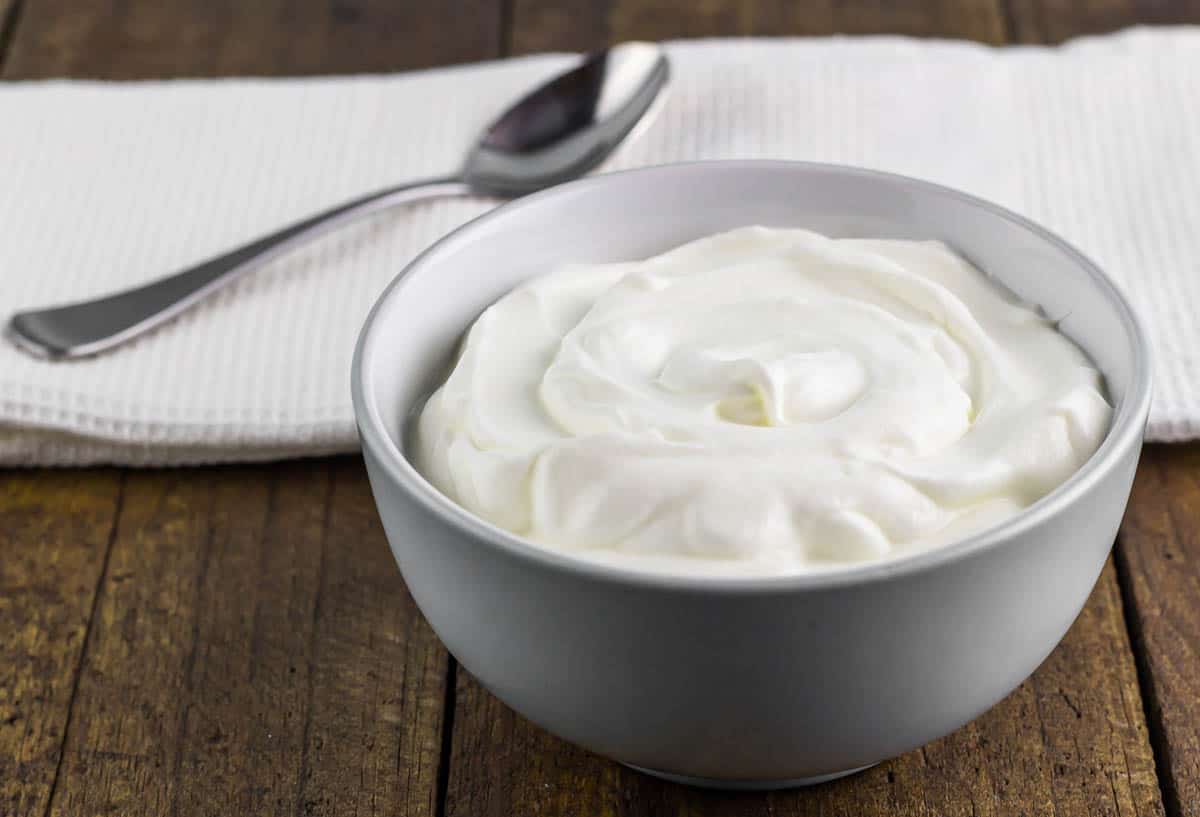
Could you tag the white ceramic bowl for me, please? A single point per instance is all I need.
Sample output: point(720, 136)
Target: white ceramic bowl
point(743, 682)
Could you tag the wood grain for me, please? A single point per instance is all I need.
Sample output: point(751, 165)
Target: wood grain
point(1070, 741)
point(130, 717)
point(55, 532)
point(1052, 21)
point(114, 39)
point(587, 24)
point(9, 15)
point(375, 714)
point(1160, 565)
point(254, 651)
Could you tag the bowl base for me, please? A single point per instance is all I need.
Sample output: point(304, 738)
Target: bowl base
point(747, 785)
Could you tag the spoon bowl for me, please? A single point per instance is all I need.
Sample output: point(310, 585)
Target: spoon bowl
point(569, 125)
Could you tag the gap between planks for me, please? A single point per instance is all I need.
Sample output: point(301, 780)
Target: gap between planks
point(1151, 709)
point(89, 628)
point(10, 19)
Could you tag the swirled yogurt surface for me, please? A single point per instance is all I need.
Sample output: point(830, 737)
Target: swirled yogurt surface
point(761, 401)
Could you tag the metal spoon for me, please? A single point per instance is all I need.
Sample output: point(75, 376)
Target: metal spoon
point(557, 132)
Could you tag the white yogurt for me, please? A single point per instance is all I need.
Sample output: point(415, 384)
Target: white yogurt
point(760, 402)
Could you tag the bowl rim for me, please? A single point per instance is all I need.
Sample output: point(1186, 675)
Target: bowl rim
point(1126, 430)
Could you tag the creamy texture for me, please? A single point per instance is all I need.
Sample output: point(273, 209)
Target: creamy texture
point(761, 401)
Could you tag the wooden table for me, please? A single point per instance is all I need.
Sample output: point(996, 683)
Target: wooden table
point(237, 640)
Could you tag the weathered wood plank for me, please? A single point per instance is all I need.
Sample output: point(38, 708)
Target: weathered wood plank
point(1071, 741)
point(1159, 556)
point(130, 718)
point(566, 25)
point(373, 733)
point(150, 39)
point(245, 698)
point(254, 652)
point(55, 531)
point(9, 13)
point(587, 24)
point(1052, 21)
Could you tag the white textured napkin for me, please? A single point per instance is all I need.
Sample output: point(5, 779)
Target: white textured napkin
point(107, 185)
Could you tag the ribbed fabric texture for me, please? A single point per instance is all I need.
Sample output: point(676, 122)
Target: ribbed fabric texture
point(108, 185)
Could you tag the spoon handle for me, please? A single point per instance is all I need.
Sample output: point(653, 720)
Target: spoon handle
point(89, 327)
